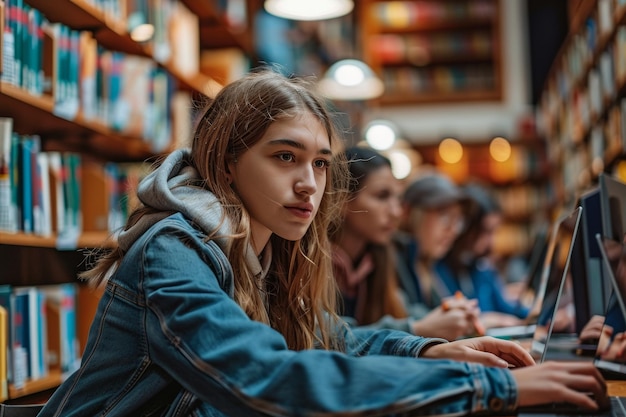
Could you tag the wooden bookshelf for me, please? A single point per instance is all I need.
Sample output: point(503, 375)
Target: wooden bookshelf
point(78, 134)
point(433, 51)
point(87, 239)
point(33, 258)
point(582, 110)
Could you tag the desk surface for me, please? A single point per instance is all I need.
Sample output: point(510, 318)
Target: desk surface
point(617, 388)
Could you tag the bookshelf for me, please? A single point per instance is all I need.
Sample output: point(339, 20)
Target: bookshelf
point(71, 76)
point(582, 109)
point(432, 51)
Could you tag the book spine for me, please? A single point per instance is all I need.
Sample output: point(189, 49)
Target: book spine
point(7, 220)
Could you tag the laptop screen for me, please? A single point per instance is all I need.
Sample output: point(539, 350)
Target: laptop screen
point(556, 312)
point(611, 352)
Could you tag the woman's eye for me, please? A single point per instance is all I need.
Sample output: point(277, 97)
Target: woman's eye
point(321, 163)
point(285, 157)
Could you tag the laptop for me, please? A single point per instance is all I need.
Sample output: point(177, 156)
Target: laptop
point(613, 208)
point(536, 280)
point(563, 234)
point(563, 315)
point(610, 357)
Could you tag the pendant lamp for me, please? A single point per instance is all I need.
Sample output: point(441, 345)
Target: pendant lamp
point(309, 9)
point(350, 79)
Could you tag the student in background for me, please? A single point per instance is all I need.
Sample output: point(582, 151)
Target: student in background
point(364, 259)
point(219, 298)
point(433, 218)
point(468, 266)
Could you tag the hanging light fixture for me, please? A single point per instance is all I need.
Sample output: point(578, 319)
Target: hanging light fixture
point(309, 9)
point(380, 134)
point(139, 26)
point(350, 79)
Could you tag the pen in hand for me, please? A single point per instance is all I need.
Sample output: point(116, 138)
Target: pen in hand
point(478, 326)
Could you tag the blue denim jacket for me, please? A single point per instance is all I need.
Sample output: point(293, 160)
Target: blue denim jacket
point(169, 340)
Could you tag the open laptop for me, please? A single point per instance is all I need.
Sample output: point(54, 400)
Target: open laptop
point(563, 234)
point(610, 357)
point(613, 207)
point(562, 315)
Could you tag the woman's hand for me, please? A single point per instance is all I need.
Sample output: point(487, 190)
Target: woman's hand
point(569, 382)
point(449, 325)
point(494, 319)
point(456, 317)
point(593, 329)
point(485, 350)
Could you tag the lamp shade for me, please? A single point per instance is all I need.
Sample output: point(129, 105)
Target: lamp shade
point(350, 79)
point(309, 9)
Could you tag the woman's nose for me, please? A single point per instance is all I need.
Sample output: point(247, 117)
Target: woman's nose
point(305, 183)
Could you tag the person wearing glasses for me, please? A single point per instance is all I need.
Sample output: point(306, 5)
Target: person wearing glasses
point(433, 207)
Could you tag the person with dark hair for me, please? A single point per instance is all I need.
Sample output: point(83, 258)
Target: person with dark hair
point(467, 267)
point(364, 259)
point(219, 299)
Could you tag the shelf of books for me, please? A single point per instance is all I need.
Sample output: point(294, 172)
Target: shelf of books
point(431, 51)
point(84, 112)
point(43, 335)
point(582, 109)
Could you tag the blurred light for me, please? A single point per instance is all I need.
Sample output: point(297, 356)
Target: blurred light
point(500, 149)
point(142, 33)
point(620, 171)
point(139, 28)
point(380, 134)
point(401, 165)
point(350, 79)
point(450, 150)
point(309, 9)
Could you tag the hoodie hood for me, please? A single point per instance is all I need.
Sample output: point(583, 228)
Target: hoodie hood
point(172, 188)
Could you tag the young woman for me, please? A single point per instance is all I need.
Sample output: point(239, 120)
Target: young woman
point(434, 210)
point(364, 259)
point(467, 266)
point(220, 300)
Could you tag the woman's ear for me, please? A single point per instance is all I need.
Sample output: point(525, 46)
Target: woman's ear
point(230, 168)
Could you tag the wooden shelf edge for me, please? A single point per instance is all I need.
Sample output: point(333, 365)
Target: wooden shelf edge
point(90, 239)
point(52, 380)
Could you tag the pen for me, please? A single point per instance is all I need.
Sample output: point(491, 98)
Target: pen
point(478, 326)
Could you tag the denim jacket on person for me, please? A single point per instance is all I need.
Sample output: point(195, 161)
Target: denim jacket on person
point(169, 340)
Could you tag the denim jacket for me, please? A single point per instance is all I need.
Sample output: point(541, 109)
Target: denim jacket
point(169, 340)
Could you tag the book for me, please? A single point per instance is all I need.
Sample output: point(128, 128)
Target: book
point(5, 343)
point(8, 222)
point(32, 308)
point(19, 339)
point(45, 214)
point(62, 342)
point(57, 192)
point(4, 351)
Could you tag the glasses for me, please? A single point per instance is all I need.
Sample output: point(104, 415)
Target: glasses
point(449, 219)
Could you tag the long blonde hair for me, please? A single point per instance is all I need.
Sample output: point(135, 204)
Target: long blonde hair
point(301, 294)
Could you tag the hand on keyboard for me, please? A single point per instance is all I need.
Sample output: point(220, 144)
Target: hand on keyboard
point(578, 384)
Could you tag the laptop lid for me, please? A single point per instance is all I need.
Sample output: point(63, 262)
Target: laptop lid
point(613, 207)
point(553, 282)
point(610, 356)
point(591, 224)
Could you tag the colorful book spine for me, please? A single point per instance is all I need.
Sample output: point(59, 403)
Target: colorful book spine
point(8, 222)
point(4, 351)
